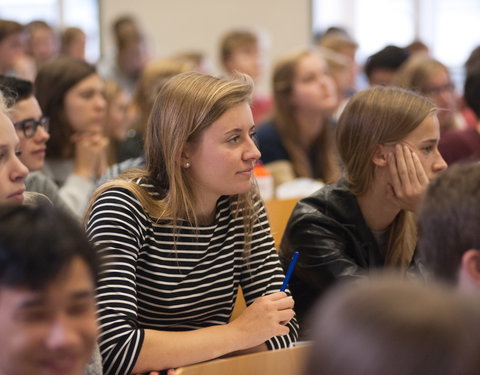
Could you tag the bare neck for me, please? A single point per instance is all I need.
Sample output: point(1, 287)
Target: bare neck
point(376, 209)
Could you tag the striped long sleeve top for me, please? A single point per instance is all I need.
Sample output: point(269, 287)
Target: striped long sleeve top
point(148, 283)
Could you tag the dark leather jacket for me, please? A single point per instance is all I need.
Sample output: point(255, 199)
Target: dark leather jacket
point(328, 230)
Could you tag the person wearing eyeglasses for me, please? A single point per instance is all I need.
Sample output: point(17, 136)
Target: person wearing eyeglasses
point(430, 78)
point(32, 130)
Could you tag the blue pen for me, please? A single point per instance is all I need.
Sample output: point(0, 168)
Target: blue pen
point(289, 271)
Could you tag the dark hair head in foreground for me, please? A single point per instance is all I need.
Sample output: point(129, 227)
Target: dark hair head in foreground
point(390, 326)
point(37, 244)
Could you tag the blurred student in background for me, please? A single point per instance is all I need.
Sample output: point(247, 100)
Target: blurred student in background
point(380, 68)
point(70, 93)
point(298, 142)
point(11, 45)
point(431, 78)
point(73, 41)
point(244, 51)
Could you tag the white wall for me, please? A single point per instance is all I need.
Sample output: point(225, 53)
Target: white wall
point(177, 25)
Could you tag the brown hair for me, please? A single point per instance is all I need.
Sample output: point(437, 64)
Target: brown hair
point(8, 28)
point(234, 40)
point(153, 78)
point(52, 83)
point(449, 220)
point(413, 75)
point(380, 115)
point(385, 325)
point(187, 105)
point(287, 125)
point(69, 36)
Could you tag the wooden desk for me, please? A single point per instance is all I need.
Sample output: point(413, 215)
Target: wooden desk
point(273, 362)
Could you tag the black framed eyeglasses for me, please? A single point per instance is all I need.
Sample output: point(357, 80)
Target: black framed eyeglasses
point(29, 126)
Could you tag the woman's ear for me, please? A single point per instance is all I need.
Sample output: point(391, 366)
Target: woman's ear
point(380, 156)
point(185, 156)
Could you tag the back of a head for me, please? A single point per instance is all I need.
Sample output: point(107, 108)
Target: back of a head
point(388, 58)
point(471, 89)
point(386, 325)
point(449, 220)
point(379, 115)
point(37, 243)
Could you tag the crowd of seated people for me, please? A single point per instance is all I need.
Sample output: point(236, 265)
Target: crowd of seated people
point(130, 216)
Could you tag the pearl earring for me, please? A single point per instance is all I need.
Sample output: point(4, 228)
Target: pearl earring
point(187, 165)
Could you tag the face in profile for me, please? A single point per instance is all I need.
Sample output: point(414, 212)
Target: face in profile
point(26, 115)
point(50, 331)
point(423, 140)
point(222, 160)
point(12, 171)
point(85, 105)
point(313, 88)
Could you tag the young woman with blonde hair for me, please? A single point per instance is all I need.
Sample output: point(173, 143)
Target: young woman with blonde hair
point(179, 238)
point(387, 139)
point(298, 142)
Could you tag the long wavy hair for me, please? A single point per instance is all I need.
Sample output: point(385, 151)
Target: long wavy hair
point(381, 115)
point(185, 107)
point(325, 165)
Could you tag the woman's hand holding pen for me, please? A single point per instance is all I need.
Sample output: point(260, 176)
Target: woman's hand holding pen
point(264, 318)
point(408, 178)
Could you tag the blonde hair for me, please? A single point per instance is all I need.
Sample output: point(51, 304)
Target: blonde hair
point(380, 115)
point(414, 74)
point(153, 77)
point(284, 116)
point(185, 107)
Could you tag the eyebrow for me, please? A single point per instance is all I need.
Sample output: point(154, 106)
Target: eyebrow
point(41, 300)
point(238, 130)
point(430, 141)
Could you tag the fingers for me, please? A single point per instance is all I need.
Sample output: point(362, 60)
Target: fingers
point(420, 171)
point(408, 178)
point(276, 296)
point(281, 300)
point(406, 170)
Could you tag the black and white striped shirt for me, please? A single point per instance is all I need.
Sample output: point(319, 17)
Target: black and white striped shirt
point(147, 283)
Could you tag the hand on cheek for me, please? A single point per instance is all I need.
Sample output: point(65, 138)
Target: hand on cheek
point(408, 178)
